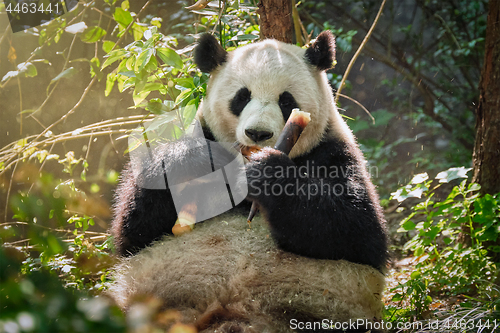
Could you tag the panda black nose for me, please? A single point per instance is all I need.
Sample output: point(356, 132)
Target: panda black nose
point(258, 136)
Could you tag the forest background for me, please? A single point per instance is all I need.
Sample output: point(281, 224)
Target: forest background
point(74, 88)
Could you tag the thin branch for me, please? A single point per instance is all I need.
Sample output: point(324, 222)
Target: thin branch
point(59, 139)
point(358, 104)
point(426, 92)
point(20, 105)
point(100, 234)
point(360, 48)
point(8, 191)
point(5, 33)
point(57, 82)
point(296, 24)
point(117, 122)
point(38, 49)
point(41, 167)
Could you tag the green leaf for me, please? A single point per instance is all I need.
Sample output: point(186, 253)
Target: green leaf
point(185, 82)
point(143, 59)
point(189, 112)
point(183, 95)
point(139, 96)
point(420, 178)
point(170, 57)
point(177, 132)
point(409, 192)
point(494, 248)
point(156, 106)
point(76, 28)
point(154, 86)
point(113, 56)
point(156, 21)
point(27, 68)
point(163, 121)
point(64, 74)
point(152, 65)
point(474, 187)
point(433, 232)
point(130, 63)
point(408, 225)
point(110, 82)
point(127, 73)
point(122, 65)
point(205, 12)
point(138, 30)
point(122, 17)
point(245, 37)
point(141, 79)
point(10, 75)
point(92, 34)
point(107, 46)
point(452, 173)
point(27, 111)
point(94, 68)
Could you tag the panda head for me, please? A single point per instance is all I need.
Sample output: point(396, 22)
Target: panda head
point(253, 89)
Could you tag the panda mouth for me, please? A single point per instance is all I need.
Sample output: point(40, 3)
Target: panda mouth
point(245, 150)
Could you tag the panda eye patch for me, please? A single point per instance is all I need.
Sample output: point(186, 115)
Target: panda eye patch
point(287, 103)
point(240, 100)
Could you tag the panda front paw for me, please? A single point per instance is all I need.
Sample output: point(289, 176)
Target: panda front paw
point(266, 168)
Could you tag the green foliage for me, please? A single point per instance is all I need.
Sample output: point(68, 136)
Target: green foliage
point(422, 64)
point(151, 66)
point(380, 154)
point(37, 302)
point(446, 264)
point(54, 261)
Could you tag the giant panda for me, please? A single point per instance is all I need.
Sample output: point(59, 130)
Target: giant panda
point(310, 261)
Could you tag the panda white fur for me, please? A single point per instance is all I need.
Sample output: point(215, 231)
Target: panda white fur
point(308, 256)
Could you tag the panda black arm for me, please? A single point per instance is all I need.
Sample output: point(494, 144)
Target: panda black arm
point(144, 208)
point(320, 205)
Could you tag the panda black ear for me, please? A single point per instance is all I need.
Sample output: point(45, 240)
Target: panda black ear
point(208, 54)
point(322, 52)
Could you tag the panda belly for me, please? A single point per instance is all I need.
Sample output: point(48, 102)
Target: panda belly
point(224, 275)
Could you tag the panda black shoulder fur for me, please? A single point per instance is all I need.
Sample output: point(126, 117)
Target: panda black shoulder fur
point(328, 245)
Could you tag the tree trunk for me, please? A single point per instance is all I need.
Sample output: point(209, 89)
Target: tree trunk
point(276, 20)
point(487, 147)
point(486, 157)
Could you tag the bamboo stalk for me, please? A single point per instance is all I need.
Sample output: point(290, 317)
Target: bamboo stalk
point(296, 123)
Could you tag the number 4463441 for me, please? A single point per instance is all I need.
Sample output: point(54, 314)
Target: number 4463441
point(32, 8)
